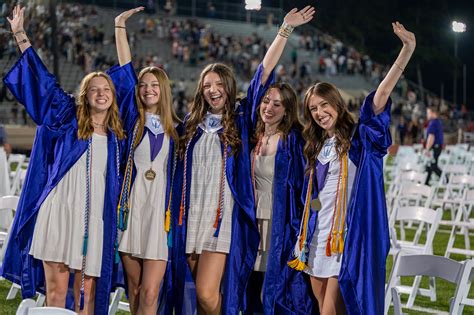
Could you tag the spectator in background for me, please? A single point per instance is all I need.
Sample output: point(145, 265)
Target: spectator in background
point(402, 129)
point(434, 142)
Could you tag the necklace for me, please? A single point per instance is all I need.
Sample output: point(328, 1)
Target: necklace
point(269, 134)
point(97, 124)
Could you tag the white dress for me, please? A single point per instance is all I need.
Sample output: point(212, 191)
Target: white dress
point(319, 265)
point(204, 196)
point(264, 172)
point(145, 236)
point(59, 229)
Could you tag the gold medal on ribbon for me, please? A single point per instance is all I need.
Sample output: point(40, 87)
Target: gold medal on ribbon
point(150, 174)
point(315, 204)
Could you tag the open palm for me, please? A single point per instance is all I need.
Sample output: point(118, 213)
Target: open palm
point(124, 16)
point(17, 20)
point(407, 37)
point(295, 18)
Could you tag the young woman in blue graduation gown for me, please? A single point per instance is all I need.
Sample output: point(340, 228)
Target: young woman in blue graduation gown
point(217, 233)
point(343, 241)
point(66, 217)
point(145, 205)
point(277, 173)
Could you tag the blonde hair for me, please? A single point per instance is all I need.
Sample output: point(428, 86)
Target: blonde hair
point(84, 120)
point(166, 111)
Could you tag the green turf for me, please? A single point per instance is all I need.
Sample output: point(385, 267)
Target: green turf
point(444, 290)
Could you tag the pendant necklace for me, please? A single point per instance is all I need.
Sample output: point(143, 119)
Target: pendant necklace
point(269, 134)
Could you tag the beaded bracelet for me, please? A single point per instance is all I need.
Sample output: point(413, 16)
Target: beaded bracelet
point(18, 32)
point(285, 30)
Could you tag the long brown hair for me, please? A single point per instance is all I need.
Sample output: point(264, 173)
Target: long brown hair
point(199, 108)
point(166, 111)
point(289, 100)
point(314, 135)
point(84, 120)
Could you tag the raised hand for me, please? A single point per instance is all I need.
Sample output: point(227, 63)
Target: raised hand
point(123, 17)
point(17, 20)
point(408, 38)
point(296, 18)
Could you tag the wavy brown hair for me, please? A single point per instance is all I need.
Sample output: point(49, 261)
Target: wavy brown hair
point(84, 120)
point(314, 135)
point(166, 110)
point(290, 120)
point(199, 108)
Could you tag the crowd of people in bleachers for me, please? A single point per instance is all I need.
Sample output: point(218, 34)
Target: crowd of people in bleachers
point(191, 41)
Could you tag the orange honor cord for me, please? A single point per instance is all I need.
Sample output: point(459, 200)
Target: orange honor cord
point(299, 263)
point(335, 242)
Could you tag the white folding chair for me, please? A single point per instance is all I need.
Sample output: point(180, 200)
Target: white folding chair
point(8, 205)
point(116, 303)
point(459, 273)
point(425, 217)
point(15, 162)
point(462, 224)
point(449, 196)
point(28, 307)
point(411, 194)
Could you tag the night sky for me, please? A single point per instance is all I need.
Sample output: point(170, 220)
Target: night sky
point(366, 23)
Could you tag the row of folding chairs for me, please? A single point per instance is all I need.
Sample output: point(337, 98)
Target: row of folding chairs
point(461, 274)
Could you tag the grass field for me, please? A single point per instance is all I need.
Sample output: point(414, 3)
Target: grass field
point(444, 290)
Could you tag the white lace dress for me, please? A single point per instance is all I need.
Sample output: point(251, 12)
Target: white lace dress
point(204, 196)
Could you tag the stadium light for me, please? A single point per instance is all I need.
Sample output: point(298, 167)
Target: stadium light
point(457, 27)
point(253, 4)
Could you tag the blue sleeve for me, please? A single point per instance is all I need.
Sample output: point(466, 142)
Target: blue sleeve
point(433, 128)
point(374, 130)
point(37, 89)
point(125, 80)
point(256, 91)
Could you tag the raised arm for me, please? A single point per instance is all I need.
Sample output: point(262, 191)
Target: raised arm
point(31, 83)
point(121, 41)
point(16, 23)
point(386, 86)
point(293, 19)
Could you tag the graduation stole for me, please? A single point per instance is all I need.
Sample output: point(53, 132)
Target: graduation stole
point(220, 202)
point(335, 242)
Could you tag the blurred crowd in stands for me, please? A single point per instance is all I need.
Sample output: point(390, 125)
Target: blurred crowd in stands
point(191, 42)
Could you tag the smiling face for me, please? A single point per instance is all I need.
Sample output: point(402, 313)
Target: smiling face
point(214, 92)
point(149, 92)
point(272, 110)
point(324, 114)
point(99, 95)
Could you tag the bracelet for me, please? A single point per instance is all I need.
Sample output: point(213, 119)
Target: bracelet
point(117, 26)
point(398, 66)
point(18, 32)
point(23, 41)
point(285, 30)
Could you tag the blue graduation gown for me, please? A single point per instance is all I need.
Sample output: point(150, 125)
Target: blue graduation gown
point(285, 291)
point(366, 246)
point(125, 81)
point(245, 237)
point(55, 150)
